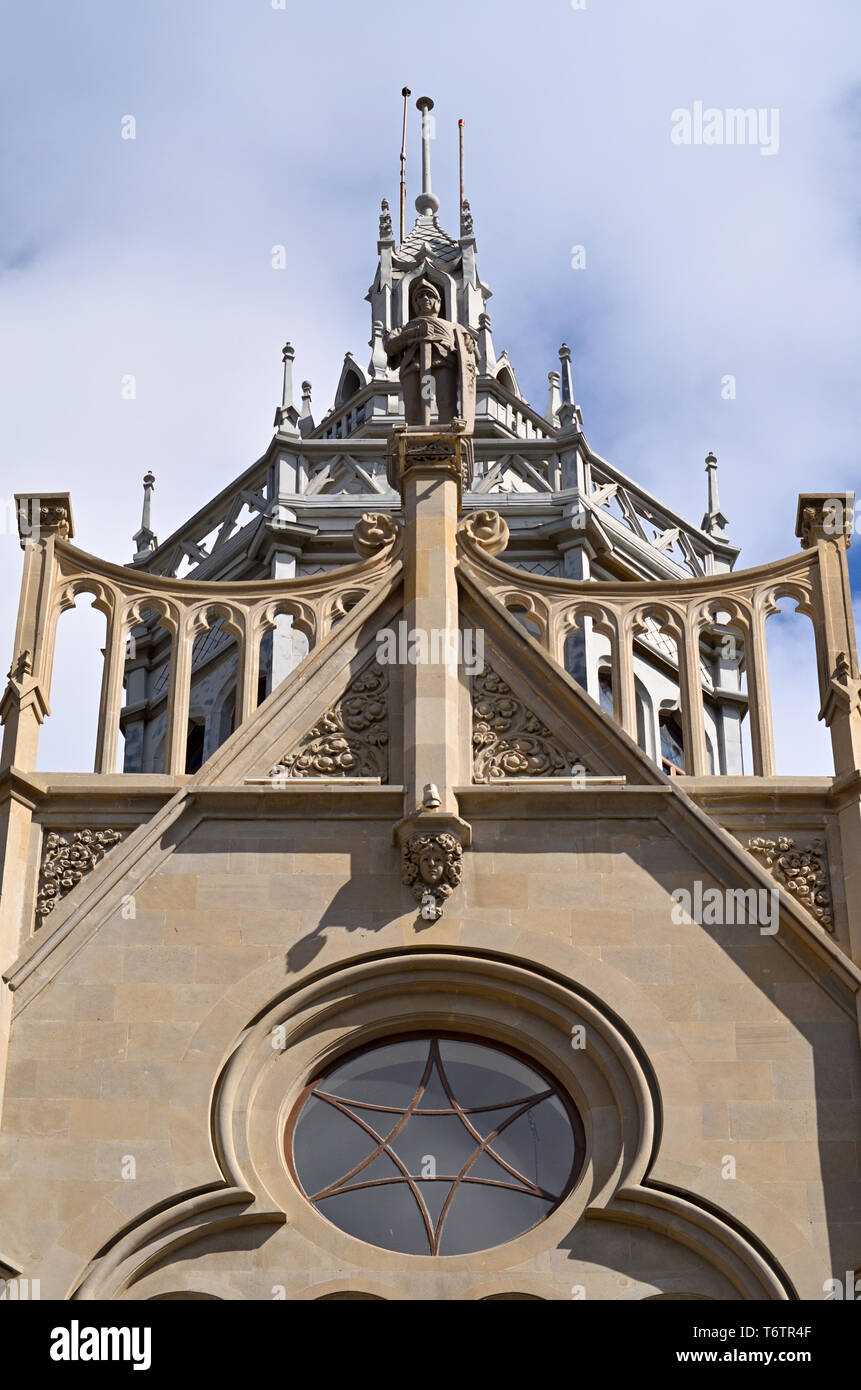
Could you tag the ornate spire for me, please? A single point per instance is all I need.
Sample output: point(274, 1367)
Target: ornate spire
point(287, 416)
point(427, 201)
point(486, 354)
point(378, 367)
point(554, 400)
point(570, 418)
point(567, 381)
point(145, 540)
point(714, 520)
point(306, 419)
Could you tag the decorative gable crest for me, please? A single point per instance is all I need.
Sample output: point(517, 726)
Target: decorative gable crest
point(802, 870)
point(65, 861)
point(351, 739)
point(509, 740)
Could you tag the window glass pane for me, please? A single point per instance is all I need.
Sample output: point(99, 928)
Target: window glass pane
point(485, 1076)
point(482, 1216)
point(328, 1144)
point(388, 1216)
point(454, 1119)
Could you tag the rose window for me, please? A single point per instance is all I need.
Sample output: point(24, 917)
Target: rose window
point(434, 1145)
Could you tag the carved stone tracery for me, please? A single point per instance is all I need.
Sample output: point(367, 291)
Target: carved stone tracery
point(509, 740)
point(65, 860)
point(351, 739)
point(802, 871)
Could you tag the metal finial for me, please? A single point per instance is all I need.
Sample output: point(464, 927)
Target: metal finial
point(406, 94)
point(427, 201)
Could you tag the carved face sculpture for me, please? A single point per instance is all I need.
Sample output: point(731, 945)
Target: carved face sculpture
point(425, 300)
point(432, 865)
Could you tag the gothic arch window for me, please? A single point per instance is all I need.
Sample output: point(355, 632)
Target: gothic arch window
point(435, 1144)
point(605, 690)
point(349, 386)
point(194, 744)
point(672, 744)
point(642, 705)
point(526, 619)
point(226, 714)
point(710, 756)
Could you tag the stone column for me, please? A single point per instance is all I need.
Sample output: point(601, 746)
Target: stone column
point(111, 700)
point(16, 896)
point(430, 469)
point(825, 521)
point(43, 519)
point(691, 691)
point(289, 645)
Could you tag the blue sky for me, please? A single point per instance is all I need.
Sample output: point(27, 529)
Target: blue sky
point(259, 126)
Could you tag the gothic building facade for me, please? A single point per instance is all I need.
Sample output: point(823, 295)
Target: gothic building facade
point(448, 932)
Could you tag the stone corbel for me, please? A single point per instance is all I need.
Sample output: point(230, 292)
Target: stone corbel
point(432, 858)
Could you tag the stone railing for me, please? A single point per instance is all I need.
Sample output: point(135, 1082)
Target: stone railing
point(296, 469)
point(687, 610)
point(56, 573)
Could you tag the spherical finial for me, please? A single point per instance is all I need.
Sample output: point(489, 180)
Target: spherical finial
point(149, 478)
point(424, 104)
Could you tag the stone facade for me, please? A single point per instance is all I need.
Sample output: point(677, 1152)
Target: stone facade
point(386, 850)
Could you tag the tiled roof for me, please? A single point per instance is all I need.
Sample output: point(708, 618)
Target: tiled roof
point(427, 231)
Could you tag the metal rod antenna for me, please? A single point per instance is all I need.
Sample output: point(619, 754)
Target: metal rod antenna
point(460, 141)
point(405, 93)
